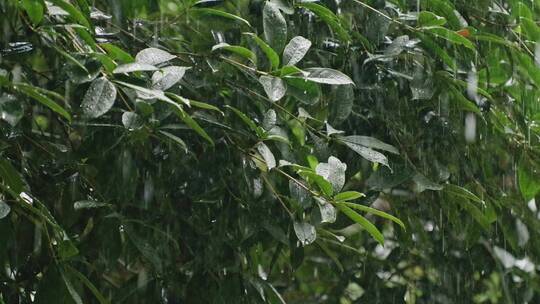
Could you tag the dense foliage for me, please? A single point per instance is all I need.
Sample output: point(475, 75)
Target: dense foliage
point(282, 151)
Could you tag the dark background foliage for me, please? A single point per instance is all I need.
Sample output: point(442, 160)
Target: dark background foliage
point(269, 151)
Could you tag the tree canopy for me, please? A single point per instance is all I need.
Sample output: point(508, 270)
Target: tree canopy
point(281, 151)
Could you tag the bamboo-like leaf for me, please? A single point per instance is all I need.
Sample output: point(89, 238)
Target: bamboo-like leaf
point(272, 56)
point(215, 12)
point(36, 94)
point(374, 211)
point(362, 221)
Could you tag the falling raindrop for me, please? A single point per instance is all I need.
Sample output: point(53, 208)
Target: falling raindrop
point(470, 128)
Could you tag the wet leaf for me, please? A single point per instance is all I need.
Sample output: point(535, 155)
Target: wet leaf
point(99, 98)
point(348, 196)
point(267, 155)
point(167, 77)
point(342, 104)
point(131, 121)
point(275, 27)
point(305, 91)
point(73, 12)
point(190, 122)
point(219, 13)
point(4, 209)
point(38, 94)
point(327, 76)
point(334, 172)
point(175, 139)
point(367, 153)
point(430, 19)
point(272, 56)
point(528, 182)
point(79, 205)
point(375, 212)
point(153, 56)
point(134, 67)
point(238, 50)
point(328, 17)
point(34, 9)
point(327, 210)
point(300, 194)
point(295, 50)
point(450, 36)
point(423, 183)
point(274, 87)
point(369, 142)
point(305, 232)
point(11, 110)
point(362, 221)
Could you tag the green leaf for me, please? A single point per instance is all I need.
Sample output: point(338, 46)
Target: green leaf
point(267, 155)
point(175, 139)
point(34, 9)
point(88, 284)
point(272, 56)
point(275, 27)
point(99, 98)
point(450, 36)
point(367, 153)
point(333, 171)
point(117, 53)
point(74, 13)
point(375, 212)
point(300, 194)
point(133, 67)
point(476, 213)
point(369, 142)
point(215, 12)
point(204, 105)
point(445, 9)
point(290, 70)
point(238, 50)
point(332, 255)
point(132, 121)
point(305, 232)
point(528, 181)
point(4, 209)
point(66, 249)
point(327, 76)
point(145, 93)
point(305, 91)
point(153, 56)
point(313, 178)
point(10, 176)
point(74, 294)
point(430, 19)
point(348, 196)
point(167, 77)
point(531, 29)
point(362, 221)
point(422, 183)
point(463, 192)
point(342, 104)
point(284, 6)
point(190, 122)
point(328, 17)
point(295, 50)
point(327, 211)
point(79, 205)
point(248, 121)
point(433, 47)
point(36, 94)
point(462, 102)
point(273, 86)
